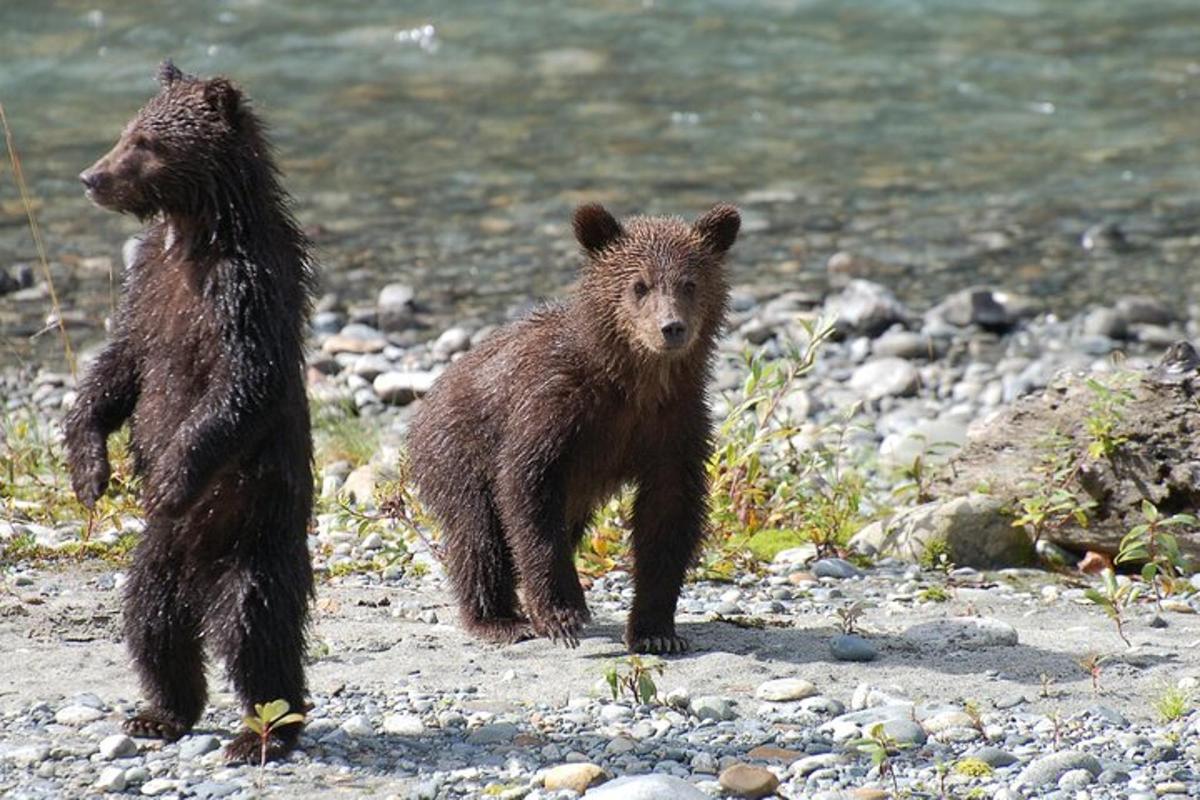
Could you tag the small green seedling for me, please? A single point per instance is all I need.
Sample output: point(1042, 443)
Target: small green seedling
point(1114, 599)
point(848, 617)
point(269, 717)
point(1092, 664)
point(638, 681)
point(880, 747)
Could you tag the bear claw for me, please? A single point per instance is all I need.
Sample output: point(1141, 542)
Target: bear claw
point(669, 644)
point(561, 625)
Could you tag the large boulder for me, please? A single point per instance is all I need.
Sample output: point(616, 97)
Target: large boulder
point(972, 531)
point(1041, 443)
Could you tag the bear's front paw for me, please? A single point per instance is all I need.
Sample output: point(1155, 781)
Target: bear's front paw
point(561, 624)
point(668, 643)
point(89, 476)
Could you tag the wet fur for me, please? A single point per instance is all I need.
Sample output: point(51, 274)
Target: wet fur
point(523, 438)
point(205, 361)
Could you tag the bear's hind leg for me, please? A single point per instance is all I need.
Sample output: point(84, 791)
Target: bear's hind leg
point(257, 620)
point(162, 628)
point(481, 571)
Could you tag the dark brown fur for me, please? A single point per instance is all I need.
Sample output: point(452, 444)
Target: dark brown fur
point(522, 439)
point(205, 359)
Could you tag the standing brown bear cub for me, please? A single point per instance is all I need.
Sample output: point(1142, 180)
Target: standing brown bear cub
point(205, 358)
point(522, 439)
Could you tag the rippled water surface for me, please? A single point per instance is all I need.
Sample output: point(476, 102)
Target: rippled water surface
point(444, 143)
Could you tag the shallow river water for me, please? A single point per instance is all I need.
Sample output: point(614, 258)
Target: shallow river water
point(445, 143)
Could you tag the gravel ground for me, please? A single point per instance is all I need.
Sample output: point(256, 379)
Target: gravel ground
point(405, 705)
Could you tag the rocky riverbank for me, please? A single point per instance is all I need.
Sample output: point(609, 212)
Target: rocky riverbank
point(998, 683)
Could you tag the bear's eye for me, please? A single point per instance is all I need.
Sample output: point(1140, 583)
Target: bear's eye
point(689, 288)
point(640, 288)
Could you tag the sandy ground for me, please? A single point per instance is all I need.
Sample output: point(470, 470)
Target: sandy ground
point(68, 641)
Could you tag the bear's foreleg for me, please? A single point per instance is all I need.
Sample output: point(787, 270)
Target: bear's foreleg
point(106, 398)
point(226, 421)
point(532, 512)
point(668, 529)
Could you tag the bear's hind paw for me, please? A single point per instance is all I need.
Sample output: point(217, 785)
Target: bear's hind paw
point(155, 723)
point(247, 747)
point(502, 631)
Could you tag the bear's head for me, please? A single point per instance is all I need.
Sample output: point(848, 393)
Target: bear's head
point(167, 155)
point(658, 282)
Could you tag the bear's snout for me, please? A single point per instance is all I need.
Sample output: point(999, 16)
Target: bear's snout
point(674, 333)
point(96, 184)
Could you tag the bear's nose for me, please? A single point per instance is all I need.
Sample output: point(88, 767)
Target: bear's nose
point(674, 333)
point(89, 180)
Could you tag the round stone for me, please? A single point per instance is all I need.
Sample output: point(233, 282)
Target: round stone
point(117, 746)
point(849, 647)
point(782, 690)
point(574, 777)
point(743, 780)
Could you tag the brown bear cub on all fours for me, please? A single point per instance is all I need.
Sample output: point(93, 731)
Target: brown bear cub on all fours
point(205, 359)
point(521, 439)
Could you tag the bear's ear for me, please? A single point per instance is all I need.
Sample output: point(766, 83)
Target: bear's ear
point(168, 73)
point(595, 228)
point(719, 227)
point(223, 96)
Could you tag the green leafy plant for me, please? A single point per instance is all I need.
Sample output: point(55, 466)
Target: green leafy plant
point(936, 555)
point(606, 541)
point(1114, 597)
point(879, 748)
point(1105, 415)
point(1052, 500)
point(635, 677)
point(1152, 545)
point(832, 511)
point(759, 478)
point(971, 767)
point(934, 594)
point(1172, 704)
point(267, 718)
point(915, 479)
